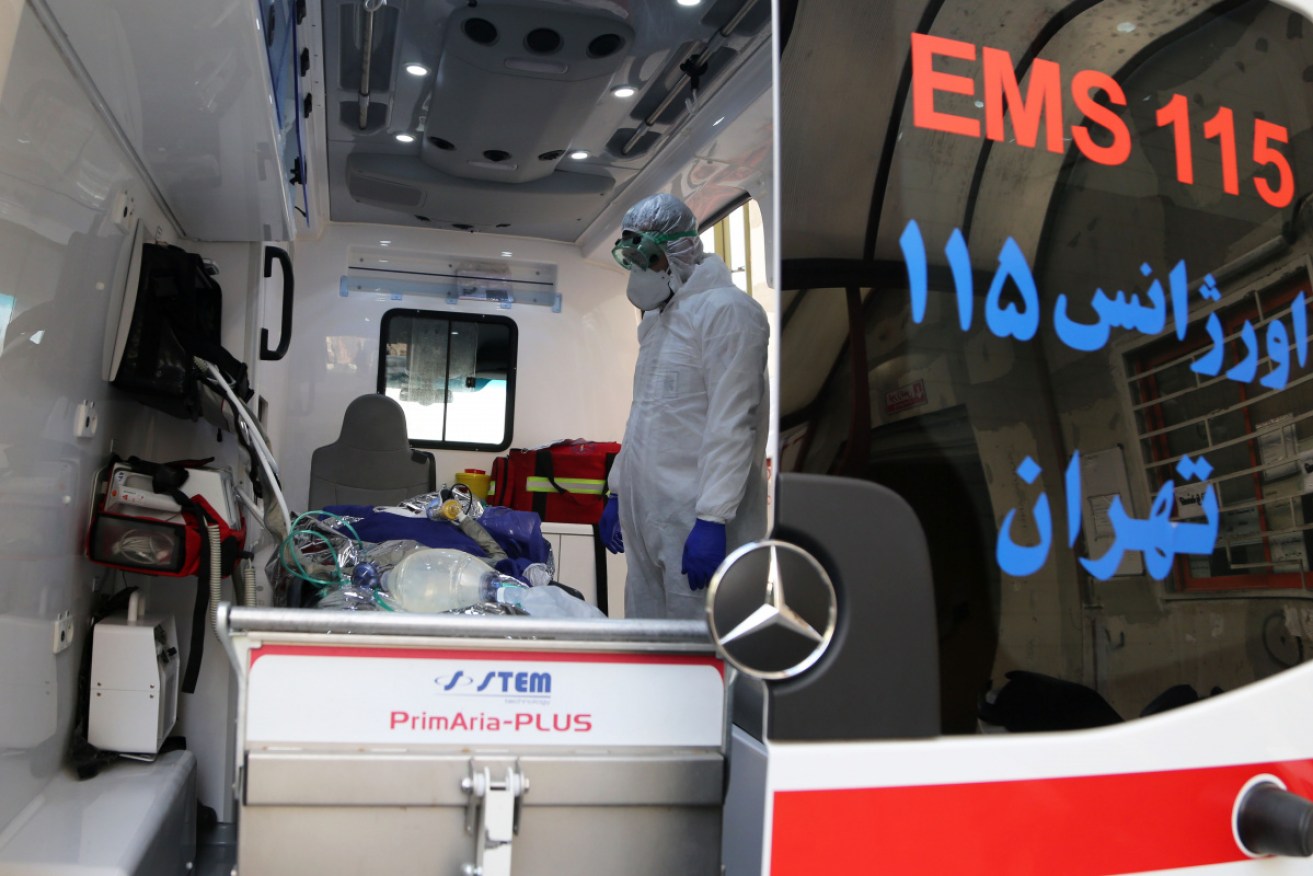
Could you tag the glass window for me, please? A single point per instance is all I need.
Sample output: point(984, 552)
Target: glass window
point(1257, 436)
point(454, 376)
point(738, 237)
point(1076, 244)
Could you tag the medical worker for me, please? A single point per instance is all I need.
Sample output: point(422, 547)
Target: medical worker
point(688, 485)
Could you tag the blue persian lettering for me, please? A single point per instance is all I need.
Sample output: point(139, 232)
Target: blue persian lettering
point(1012, 557)
point(1008, 320)
point(1157, 537)
point(1147, 314)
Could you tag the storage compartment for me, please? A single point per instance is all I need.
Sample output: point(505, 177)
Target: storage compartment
point(645, 815)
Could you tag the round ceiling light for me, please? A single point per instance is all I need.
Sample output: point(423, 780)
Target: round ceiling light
point(417, 70)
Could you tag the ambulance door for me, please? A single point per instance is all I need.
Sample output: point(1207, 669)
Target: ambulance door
point(1045, 280)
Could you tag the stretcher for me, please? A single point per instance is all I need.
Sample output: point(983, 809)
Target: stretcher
point(471, 745)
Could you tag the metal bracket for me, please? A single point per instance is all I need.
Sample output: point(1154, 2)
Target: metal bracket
point(492, 816)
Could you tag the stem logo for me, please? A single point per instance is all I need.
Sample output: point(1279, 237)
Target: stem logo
point(496, 682)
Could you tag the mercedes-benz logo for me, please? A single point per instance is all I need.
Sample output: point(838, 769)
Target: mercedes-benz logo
point(772, 609)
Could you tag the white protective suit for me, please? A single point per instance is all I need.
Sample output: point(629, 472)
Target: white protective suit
point(695, 443)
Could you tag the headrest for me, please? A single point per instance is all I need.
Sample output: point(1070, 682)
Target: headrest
point(374, 422)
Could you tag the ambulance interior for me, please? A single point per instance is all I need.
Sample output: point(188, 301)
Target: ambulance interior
point(439, 170)
point(429, 169)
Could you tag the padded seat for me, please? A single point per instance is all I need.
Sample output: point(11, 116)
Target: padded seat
point(371, 462)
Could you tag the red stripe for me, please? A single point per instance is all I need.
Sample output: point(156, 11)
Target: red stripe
point(1078, 826)
point(512, 656)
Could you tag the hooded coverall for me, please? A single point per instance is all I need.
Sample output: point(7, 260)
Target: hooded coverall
point(695, 442)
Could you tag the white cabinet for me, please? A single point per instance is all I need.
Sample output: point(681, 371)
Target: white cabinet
point(576, 564)
point(187, 85)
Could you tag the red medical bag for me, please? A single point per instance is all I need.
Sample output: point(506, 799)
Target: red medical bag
point(562, 483)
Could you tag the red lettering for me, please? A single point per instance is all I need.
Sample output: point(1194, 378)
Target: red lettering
point(541, 727)
point(1043, 101)
point(1176, 112)
point(523, 719)
point(583, 723)
point(926, 81)
point(1082, 84)
point(399, 718)
point(1266, 133)
point(1222, 127)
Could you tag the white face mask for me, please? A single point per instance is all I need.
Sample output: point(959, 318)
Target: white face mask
point(648, 290)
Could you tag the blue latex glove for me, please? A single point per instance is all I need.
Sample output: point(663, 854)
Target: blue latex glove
point(612, 538)
point(703, 553)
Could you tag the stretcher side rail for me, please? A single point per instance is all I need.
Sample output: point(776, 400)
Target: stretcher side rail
point(666, 634)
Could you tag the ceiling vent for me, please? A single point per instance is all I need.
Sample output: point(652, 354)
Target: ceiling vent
point(517, 82)
point(383, 181)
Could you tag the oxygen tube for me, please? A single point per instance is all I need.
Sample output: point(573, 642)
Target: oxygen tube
point(256, 440)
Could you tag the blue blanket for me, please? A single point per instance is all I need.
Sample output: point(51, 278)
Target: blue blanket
point(518, 532)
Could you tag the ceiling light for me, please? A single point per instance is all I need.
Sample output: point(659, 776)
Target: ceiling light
point(385, 243)
point(625, 91)
point(405, 138)
point(506, 254)
point(1126, 27)
point(417, 70)
point(717, 121)
point(688, 2)
point(579, 155)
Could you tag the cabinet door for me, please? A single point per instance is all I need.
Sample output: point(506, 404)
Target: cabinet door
point(575, 565)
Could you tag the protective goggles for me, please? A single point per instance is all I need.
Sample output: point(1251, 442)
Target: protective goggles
point(642, 251)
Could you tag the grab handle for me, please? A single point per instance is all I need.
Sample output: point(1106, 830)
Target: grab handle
point(285, 339)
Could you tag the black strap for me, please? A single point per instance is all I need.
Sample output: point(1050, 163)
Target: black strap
point(168, 480)
point(546, 468)
point(200, 608)
point(599, 571)
point(543, 467)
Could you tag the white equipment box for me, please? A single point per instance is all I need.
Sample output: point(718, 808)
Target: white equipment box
point(132, 493)
point(503, 746)
point(134, 681)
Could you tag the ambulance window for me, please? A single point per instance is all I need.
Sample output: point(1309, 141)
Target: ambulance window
point(739, 237)
point(454, 376)
point(1077, 246)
